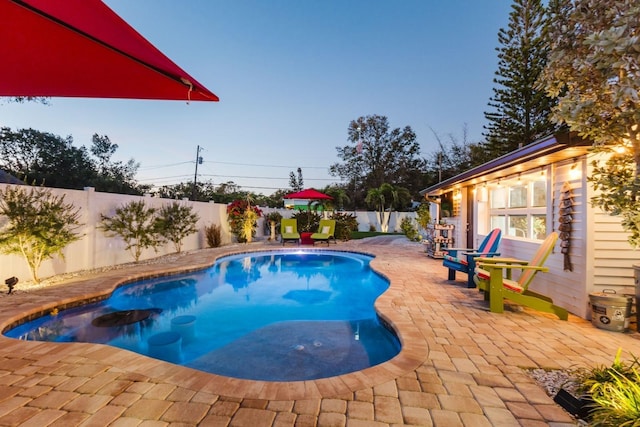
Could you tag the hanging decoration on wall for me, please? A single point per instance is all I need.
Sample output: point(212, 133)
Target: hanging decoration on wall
point(566, 211)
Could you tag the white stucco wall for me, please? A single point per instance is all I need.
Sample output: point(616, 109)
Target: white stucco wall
point(96, 250)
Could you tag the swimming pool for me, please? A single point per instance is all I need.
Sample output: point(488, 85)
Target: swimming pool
point(274, 316)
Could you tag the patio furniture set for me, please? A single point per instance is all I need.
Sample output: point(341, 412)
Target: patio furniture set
point(492, 274)
point(289, 232)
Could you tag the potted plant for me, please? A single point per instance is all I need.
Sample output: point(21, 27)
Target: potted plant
point(273, 218)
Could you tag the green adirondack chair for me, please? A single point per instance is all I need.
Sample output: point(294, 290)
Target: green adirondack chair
point(493, 276)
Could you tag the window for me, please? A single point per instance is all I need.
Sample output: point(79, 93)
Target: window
point(519, 207)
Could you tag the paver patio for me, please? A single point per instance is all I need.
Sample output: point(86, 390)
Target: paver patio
point(460, 364)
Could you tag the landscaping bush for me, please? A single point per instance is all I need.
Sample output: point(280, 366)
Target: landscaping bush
point(346, 223)
point(243, 219)
point(615, 392)
point(39, 225)
point(409, 229)
point(213, 234)
point(308, 221)
point(136, 225)
point(175, 222)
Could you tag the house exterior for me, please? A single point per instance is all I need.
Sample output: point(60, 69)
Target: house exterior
point(531, 192)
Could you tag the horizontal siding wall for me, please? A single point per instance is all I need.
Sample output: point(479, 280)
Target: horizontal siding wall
point(568, 288)
point(612, 255)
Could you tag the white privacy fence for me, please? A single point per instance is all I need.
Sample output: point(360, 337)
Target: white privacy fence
point(96, 250)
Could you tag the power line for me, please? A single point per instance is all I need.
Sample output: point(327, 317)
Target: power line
point(234, 176)
point(232, 163)
point(267, 166)
point(165, 166)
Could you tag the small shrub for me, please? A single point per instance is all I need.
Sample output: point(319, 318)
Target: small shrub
point(38, 225)
point(615, 392)
point(175, 222)
point(243, 219)
point(617, 402)
point(424, 215)
point(213, 234)
point(372, 228)
point(136, 225)
point(346, 223)
point(409, 229)
point(308, 221)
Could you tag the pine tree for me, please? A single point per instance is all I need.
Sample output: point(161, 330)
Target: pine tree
point(520, 109)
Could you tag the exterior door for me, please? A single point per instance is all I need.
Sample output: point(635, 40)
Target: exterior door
point(468, 221)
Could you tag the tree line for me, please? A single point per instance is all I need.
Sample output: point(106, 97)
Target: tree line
point(383, 165)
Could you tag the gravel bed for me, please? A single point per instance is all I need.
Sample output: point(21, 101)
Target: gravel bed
point(553, 380)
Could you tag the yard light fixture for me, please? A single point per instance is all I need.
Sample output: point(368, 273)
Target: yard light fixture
point(11, 282)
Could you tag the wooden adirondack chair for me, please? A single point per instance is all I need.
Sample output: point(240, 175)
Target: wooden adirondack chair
point(463, 260)
point(493, 276)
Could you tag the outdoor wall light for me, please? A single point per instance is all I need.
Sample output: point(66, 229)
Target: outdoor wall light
point(574, 172)
point(11, 282)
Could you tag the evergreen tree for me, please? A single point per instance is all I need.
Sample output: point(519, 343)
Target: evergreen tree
point(519, 109)
point(296, 183)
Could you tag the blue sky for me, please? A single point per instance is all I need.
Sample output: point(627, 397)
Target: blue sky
point(291, 75)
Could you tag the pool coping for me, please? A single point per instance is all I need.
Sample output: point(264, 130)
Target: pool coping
point(413, 352)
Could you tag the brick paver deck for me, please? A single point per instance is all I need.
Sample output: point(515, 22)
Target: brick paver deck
point(460, 364)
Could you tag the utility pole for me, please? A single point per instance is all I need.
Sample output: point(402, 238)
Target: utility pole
point(195, 175)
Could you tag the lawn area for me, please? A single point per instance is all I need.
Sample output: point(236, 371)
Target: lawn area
point(364, 234)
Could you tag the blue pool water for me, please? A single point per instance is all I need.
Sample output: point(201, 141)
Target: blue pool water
point(274, 316)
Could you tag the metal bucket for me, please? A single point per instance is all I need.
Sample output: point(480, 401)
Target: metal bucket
point(610, 311)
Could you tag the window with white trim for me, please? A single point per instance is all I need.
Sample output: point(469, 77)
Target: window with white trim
point(519, 207)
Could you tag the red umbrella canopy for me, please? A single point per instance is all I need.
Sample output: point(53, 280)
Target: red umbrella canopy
point(81, 48)
point(309, 194)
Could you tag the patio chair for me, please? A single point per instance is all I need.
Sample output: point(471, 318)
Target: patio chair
point(463, 260)
point(326, 231)
point(289, 231)
point(493, 276)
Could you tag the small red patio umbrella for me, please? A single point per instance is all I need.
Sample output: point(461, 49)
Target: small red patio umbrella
point(81, 48)
point(309, 194)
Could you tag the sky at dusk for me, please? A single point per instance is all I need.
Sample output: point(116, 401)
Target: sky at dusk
point(291, 75)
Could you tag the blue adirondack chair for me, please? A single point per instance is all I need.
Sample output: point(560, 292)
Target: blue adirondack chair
point(463, 259)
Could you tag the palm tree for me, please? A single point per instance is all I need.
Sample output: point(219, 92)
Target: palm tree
point(376, 198)
point(339, 195)
point(385, 199)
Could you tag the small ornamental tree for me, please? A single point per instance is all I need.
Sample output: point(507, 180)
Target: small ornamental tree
point(136, 225)
point(243, 218)
point(38, 225)
point(423, 214)
point(273, 219)
point(175, 222)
